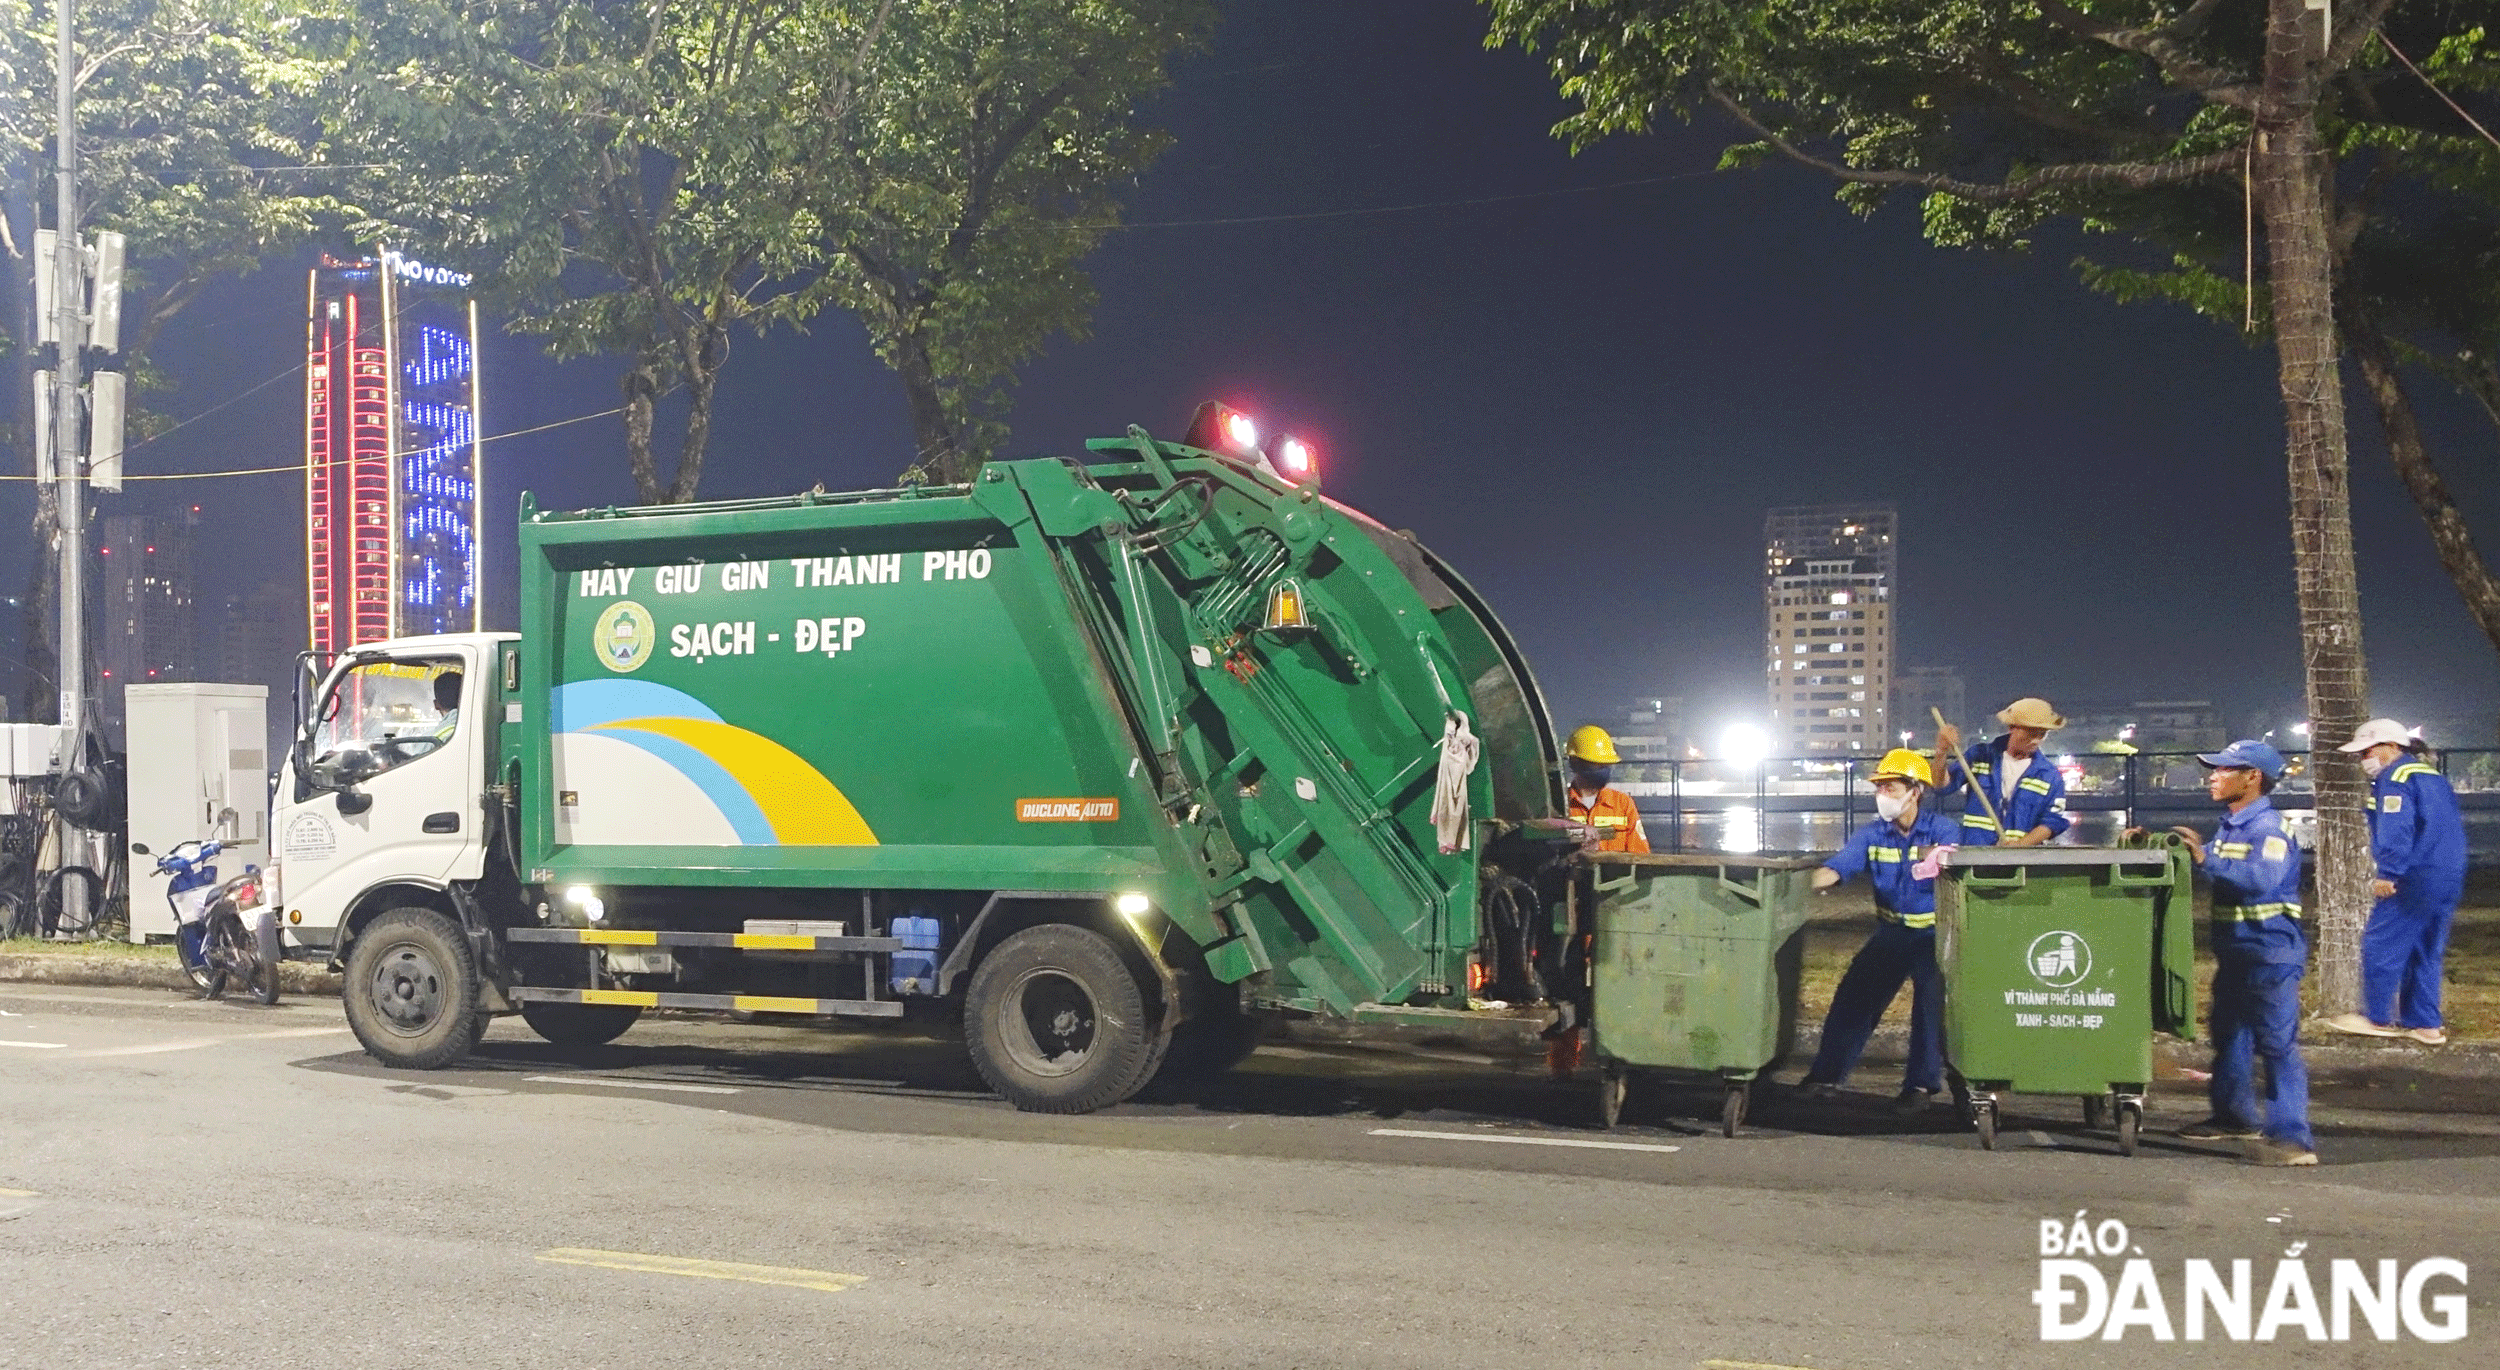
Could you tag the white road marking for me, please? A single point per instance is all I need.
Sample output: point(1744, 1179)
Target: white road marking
point(292, 1032)
point(1521, 1141)
point(35, 1046)
point(627, 1082)
point(154, 1048)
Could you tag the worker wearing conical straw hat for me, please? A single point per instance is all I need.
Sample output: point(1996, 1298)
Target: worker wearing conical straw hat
point(2012, 795)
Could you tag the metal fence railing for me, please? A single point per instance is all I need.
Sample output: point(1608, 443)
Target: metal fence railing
point(1811, 803)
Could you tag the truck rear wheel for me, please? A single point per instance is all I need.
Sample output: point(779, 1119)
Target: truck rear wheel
point(412, 990)
point(1056, 1023)
point(579, 1025)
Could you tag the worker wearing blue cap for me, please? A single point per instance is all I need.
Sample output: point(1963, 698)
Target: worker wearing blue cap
point(2260, 954)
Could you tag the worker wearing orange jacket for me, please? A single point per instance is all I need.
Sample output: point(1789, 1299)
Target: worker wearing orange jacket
point(1613, 819)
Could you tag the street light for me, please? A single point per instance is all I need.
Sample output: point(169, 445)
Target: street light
point(1744, 744)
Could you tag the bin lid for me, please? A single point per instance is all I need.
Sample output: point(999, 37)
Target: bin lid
point(1696, 861)
point(2057, 856)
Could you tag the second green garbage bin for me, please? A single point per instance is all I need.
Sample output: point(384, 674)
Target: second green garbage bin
point(2060, 963)
point(1694, 969)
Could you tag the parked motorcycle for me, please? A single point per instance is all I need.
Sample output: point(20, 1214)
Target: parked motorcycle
point(226, 933)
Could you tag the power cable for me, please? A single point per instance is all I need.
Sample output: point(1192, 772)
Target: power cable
point(295, 467)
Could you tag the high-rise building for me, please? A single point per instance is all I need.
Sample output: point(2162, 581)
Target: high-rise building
point(146, 618)
point(390, 451)
point(1919, 693)
point(1827, 600)
point(1651, 730)
point(258, 633)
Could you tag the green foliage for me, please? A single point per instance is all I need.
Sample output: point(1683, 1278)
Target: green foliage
point(978, 161)
point(193, 129)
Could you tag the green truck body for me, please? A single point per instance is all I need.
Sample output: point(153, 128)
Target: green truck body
point(1170, 700)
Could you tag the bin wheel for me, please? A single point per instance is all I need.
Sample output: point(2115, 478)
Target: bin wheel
point(1732, 1108)
point(1987, 1120)
point(2130, 1120)
point(2095, 1112)
point(1613, 1082)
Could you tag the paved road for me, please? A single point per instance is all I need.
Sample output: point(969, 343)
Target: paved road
point(198, 1184)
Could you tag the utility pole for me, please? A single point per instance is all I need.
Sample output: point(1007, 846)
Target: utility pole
point(70, 328)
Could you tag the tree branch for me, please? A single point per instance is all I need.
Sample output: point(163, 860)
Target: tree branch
point(2164, 48)
point(2361, 19)
point(2064, 176)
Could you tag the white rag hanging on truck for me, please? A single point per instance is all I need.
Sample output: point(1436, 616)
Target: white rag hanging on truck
point(1459, 749)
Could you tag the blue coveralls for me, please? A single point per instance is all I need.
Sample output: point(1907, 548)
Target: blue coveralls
point(2419, 842)
point(1903, 948)
point(2039, 797)
point(2260, 954)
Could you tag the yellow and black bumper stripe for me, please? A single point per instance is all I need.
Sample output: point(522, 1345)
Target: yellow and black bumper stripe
point(731, 1003)
point(730, 941)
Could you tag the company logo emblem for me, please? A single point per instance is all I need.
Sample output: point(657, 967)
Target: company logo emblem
point(623, 636)
point(2058, 960)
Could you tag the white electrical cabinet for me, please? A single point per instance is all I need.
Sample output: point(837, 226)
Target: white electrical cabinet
point(199, 768)
point(29, 754)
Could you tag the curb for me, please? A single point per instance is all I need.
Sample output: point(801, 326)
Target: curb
point(117, 972)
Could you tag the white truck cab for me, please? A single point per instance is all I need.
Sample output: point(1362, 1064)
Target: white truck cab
point(383, 789)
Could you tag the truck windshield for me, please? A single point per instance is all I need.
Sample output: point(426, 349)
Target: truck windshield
point(391, 711)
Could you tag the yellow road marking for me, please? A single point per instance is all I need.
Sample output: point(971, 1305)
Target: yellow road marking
point(637, 998)
point(825, 1280)
point(765, 1003)
point(19, 1194)
point(619, 937)
point(772, 941)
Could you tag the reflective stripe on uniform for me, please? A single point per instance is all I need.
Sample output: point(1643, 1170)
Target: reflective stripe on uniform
point(2034, 784)
point(2252, 913)
point(1907, 920)
point(1888, 855)
point(2234, 850)
point(1979, 820)
point(2411, 769)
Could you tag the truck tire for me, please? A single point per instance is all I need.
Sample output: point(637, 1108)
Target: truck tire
point(412, 990)
point(1056, 1023)
point(579, 1025)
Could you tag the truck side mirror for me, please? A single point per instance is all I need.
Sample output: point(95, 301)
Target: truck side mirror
point(353, 801)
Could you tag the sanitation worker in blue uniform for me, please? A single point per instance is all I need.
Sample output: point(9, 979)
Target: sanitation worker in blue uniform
point(1897, 854)
point(2260, 954)
point(2418, 841)
point(2025, 788)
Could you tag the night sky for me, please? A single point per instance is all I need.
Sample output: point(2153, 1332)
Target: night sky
point(1584, 400)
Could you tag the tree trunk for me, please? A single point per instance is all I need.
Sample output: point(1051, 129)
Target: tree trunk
point(641, 383)
point(40, 623)
point(941, 452)
point(2290, 167)
point(2454, 541)
point(702, 383)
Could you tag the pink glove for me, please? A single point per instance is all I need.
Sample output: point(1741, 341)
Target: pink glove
point(1928, 868)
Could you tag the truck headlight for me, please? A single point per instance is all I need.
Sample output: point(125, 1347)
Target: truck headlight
point(586, 899)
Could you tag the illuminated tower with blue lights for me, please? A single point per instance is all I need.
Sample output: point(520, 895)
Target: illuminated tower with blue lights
point(390, 451)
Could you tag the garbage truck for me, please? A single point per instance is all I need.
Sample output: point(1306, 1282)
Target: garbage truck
point(1108, 760)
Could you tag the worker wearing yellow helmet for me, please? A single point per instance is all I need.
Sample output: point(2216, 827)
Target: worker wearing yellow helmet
point(1897, 854)
point(1613, 820)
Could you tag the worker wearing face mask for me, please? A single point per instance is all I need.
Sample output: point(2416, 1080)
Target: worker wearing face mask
point(2417, 839)
point(2025, 803)
point(1614, 821)
point(1897, 854)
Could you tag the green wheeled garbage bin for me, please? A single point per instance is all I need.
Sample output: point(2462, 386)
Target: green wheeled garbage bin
point(2060, 963)
point(1693, 970)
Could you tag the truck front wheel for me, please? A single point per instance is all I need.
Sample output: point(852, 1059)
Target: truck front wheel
point(1055, 1022)
point(579, 1025)
point(412, 990)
